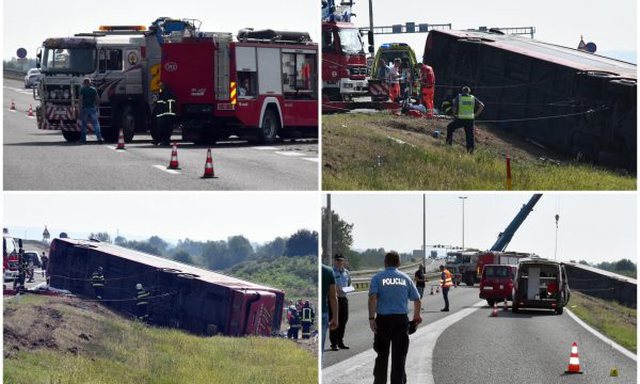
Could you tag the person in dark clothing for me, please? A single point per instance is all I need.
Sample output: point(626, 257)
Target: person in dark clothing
point(97, 282)
point(464, 110)
point(420, 280)
point(343, 280)
point(45, 263)
point(294, 323)
point(142, 303)
point(389, 292)
point(165, 113)
point(89, 101)
point(308, 315)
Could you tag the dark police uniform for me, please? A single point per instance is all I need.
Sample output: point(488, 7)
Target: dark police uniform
point(343, 280)
point(393, 290)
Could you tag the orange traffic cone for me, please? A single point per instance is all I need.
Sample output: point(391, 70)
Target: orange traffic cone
point(173, 164)
point(574, 361)
point(506, 307)
point(494, 311)
point(120, 145)
point(13, 106)
point(30, 113)
point(208, 166)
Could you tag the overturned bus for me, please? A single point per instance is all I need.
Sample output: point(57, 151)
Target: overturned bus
point(578, 103)
point(182, 296)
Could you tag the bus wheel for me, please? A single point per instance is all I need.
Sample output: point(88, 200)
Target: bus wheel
point(71, 136)
point(270, 126)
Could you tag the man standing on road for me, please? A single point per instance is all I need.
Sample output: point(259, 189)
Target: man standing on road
point(343, 280)
point(389, 292)
point(329, 301)
point(97, 282)
point(420, 280)
point(45, 263)
point(464, 110)
point(445, 282)
point(89, 102)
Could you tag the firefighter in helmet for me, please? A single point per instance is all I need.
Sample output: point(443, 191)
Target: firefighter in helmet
point(308, 316)
point(164, 111)
point(142, 303)
point(294, 322)
point(97, 282)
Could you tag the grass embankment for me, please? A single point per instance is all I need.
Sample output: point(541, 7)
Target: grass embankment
point(65, 341)
point(615, 321)
point(362, 152)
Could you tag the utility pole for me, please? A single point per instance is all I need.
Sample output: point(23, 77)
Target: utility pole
point(370, 33)
point(555, 251)
point(329, 244)
point(463, 198)
point(424, 229)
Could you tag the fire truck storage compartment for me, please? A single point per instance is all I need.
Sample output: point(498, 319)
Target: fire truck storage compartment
point(269, 81)
point(535, 281)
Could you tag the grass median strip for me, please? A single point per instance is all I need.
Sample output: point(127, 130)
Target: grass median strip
point(56, 340)
point(363, 151)
point(617, 322)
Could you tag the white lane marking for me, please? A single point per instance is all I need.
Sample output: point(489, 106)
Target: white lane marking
point(12, 110)
point(357, 369)
point(314, 159)
point(265, 148)
point(30, 117)
point(602, 337)
point(115, 148)
point(164, 168)
point(289, 153)
point(19, 90)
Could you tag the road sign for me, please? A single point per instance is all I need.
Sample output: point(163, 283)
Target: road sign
point(591, 47)
point(22, 53)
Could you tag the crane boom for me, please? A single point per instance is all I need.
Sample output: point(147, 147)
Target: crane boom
point(504, 238)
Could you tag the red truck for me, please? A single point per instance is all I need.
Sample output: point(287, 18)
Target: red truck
point(10, 257)
point(260, 86)
point(344, 64)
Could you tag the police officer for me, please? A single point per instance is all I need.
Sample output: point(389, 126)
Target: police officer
point(165, 112)
point(445, 282)
point(97, 282)
point(23, 265)
point(464, 110)
point(142, 302)
point(389, 292)
point(307, 319)
point(343, 280)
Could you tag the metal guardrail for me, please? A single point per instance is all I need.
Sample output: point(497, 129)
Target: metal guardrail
point(15, 74)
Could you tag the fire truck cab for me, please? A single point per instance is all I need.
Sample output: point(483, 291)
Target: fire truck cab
point(260, 86)
point(9, 256)
point(344, 65)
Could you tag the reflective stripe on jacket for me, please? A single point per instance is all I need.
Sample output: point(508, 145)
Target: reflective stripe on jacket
point(447, 282)
point(466, 107)
point(97, 280)
point(142, 297)
point(307, 314)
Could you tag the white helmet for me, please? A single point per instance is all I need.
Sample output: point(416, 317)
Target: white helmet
point(138, 286)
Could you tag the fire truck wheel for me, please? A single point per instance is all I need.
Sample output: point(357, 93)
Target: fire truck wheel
point(71, 136)
point(491, 302)
point(127, 121)
point(270, 126)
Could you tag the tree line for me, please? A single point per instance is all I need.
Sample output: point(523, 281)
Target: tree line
point(220, 254)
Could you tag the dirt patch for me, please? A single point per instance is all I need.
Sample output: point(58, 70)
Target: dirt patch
point(59, 324)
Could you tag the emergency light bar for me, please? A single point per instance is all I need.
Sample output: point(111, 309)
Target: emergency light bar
point(121, 28)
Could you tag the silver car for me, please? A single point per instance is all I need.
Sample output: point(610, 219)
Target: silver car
point(32, 78)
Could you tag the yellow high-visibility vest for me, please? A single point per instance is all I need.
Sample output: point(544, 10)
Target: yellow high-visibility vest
point(466, 107)
point(447, 282)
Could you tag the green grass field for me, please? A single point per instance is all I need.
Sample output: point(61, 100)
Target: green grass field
point(385, 152)
point(63, 341)
point(616, 321)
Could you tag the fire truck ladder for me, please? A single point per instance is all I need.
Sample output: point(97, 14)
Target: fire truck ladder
point(222, 78)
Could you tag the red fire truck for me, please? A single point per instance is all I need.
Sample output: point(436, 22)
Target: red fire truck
point(9, 256)
point(344, 64)
point(260, 86)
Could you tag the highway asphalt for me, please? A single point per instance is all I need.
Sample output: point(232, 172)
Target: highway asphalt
point(42, 160)
point(467, 345)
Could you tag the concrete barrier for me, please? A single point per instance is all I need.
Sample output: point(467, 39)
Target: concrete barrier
point(602, 284)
